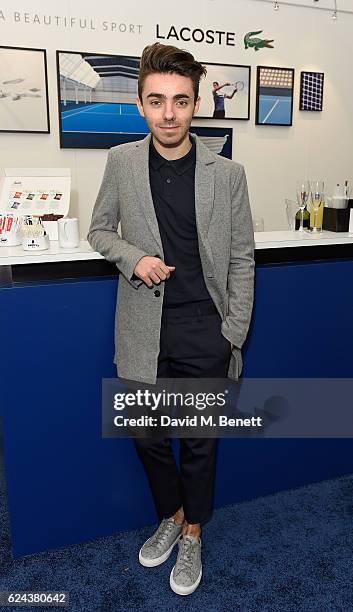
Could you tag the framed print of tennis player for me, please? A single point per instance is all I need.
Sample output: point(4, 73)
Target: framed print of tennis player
point(225, 92)
point(274, 96)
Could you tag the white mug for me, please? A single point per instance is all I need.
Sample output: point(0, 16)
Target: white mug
point(68, 233)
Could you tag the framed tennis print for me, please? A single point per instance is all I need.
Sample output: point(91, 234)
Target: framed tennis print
point(225, 92)
point(274, 96)
point(96, 93)
point(217, 139)
point(311, 91)
point(23, 90)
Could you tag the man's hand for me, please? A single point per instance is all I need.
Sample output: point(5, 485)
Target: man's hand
point(152, 270)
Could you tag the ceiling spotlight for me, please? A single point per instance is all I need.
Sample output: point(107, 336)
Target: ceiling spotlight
point(276, 6)
point(334, 15)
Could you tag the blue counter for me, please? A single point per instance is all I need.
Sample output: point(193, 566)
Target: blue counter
point(66, 484)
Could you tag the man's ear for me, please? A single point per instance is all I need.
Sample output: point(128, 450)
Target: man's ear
point(197, 105)
point(139, 106)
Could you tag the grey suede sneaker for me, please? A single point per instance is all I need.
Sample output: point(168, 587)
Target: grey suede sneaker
point(159, 546)
point(186, 574)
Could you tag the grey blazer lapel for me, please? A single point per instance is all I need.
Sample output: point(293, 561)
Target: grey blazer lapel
point(204, 191)
point(140, 169)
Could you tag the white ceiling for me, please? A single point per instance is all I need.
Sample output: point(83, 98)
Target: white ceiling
point(344, 5)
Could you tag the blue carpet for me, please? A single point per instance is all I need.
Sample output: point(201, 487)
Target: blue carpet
point(291, 551)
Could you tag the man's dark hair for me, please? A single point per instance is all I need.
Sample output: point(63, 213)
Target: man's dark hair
point(166, 58)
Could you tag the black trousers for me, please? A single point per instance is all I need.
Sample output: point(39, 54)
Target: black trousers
point(191, 345)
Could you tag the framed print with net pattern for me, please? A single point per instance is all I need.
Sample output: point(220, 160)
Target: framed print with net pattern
point(311, 91)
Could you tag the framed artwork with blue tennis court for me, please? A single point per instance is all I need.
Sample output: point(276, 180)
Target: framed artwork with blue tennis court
point(274, 96)
point(97, 108)
point(311, 91)
point(96, 94)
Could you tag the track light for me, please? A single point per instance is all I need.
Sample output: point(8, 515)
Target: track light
point(317, 5)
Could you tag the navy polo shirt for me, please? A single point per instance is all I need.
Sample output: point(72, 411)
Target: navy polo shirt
point(173, 192)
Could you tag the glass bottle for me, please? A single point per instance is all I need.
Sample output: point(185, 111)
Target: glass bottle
point(306, 218)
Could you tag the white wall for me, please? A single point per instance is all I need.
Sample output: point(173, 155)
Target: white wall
point(318, 145)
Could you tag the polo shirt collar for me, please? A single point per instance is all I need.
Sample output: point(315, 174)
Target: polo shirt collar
point(180, 165)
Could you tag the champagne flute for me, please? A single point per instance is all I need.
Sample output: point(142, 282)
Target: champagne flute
point(317, 198)
point(258, 224)
point(303, 190)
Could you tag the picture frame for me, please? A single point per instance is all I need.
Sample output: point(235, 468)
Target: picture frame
point(217, 139)
point(24, 106)
point(311, 91)
point(234, 85)
point(96, 100)
point(274, 96)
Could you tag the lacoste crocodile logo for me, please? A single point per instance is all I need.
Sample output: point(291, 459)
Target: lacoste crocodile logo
point(256, 43)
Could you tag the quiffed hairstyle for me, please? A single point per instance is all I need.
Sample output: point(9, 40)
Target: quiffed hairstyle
point(166, 58)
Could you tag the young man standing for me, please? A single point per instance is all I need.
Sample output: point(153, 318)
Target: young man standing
point(186, 262)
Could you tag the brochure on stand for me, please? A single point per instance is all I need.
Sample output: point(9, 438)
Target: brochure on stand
point(35, 191)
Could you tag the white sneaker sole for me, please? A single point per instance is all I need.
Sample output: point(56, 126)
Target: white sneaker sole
point(158, 560)
point(182, 590)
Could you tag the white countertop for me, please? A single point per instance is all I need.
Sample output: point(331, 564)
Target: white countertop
point(287, 238)
point(16, 255)
point(263, 240)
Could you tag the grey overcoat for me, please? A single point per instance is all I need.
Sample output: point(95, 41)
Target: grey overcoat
point(226, 245)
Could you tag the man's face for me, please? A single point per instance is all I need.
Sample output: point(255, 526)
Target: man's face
point(168, 106)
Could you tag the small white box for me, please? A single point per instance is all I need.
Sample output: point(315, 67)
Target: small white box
point(39, 243)
point(10, 239)
point(51, 227)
